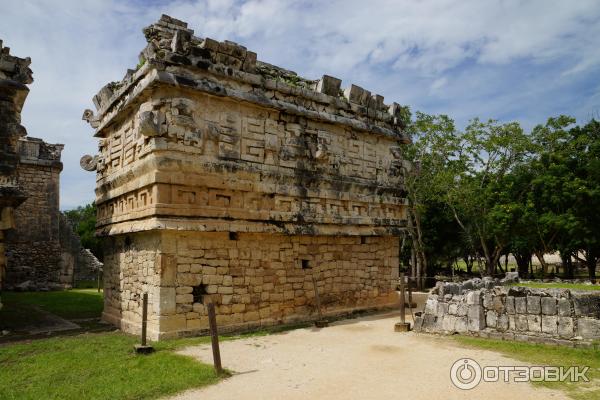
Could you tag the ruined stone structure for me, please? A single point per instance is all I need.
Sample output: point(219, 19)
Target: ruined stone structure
point(224, 179)
point(38, 249)
point(33, 247)
point(14, 76)
point(482, 308)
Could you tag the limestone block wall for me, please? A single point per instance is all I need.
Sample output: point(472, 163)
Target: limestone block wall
point(559, 316)
point(33, 247)
point(251, 285)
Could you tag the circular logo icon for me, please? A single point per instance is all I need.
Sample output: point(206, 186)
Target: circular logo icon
point(465, 373)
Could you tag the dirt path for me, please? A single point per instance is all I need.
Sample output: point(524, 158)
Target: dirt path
point(354, 359)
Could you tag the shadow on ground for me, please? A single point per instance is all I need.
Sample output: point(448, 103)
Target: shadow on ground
point(35, 315)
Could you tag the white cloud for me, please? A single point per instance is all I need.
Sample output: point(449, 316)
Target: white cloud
point(504, 58)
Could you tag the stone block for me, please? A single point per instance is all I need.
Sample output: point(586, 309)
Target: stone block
point(550, 324)
point(521, 305)
point(586, 304)
point(548, 305)
point(488, 300)
point(502, 323)
point(172, 323)
point(534, 323)
point(164, 300)
point(449, 288)
point(512, 324)
point(534, 305)
point(474, 297)
point(442, 309)
point(498, 303)
point(566, 327)
point(461, 325)
point(329, 85)
point(453, 308)
point(429, 322)
point(588, 328)
point(462, 309)
point(476, 318)
point(510, 305)
point(491, 319)
point(449, 323)
point(184, 298)
point(564, 307)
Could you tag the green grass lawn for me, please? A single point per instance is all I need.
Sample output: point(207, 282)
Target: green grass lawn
point(98, 366)
point(559, 285)
point(69, 304)
point(540, 354)
point(76, 365)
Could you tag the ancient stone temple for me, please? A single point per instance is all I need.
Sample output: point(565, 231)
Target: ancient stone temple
point(224, 179)
point(38, 248)
point(14, 76)
point(33, 247)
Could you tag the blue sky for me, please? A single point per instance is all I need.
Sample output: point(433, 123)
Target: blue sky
point(500, 59)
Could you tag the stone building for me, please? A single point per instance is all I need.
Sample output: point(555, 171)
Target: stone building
point(14, 77)
point(38, 248)
point(224, 179)
point(33, 247)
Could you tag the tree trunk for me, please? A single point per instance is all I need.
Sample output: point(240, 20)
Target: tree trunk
point(523, 260)
point(592, 260)
point(567, 265)
point(540, 257)
point(469, 263)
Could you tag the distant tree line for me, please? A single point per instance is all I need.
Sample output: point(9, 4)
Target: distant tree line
point(492, 190)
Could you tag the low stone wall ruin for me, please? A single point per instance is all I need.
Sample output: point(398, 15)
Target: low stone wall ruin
point(482, 308)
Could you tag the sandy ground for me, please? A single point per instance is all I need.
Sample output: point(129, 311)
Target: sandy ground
point(354, 359)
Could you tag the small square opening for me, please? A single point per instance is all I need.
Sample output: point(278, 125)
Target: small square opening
point(363, 240)
point(306, 264)
point(233, 236)
point(198, 292)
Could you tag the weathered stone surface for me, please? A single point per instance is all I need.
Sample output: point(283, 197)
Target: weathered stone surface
point(586, 304)
point(474, 297)
point(521, 305)
point(521, 322)
point(252, 179)
point(588, 328)
point(502, 322)
point(533, 305)
point(550, 324)
point(548, 305)
point(491, 319)
point(461, 325)
point(534, 323)
point(565, 327)
point(510, 305)
point(476, 318)
point(564, 307)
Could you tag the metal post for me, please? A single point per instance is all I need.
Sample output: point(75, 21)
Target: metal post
point(214, 337)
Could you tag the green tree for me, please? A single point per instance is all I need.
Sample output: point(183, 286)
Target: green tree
point(83, 220)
